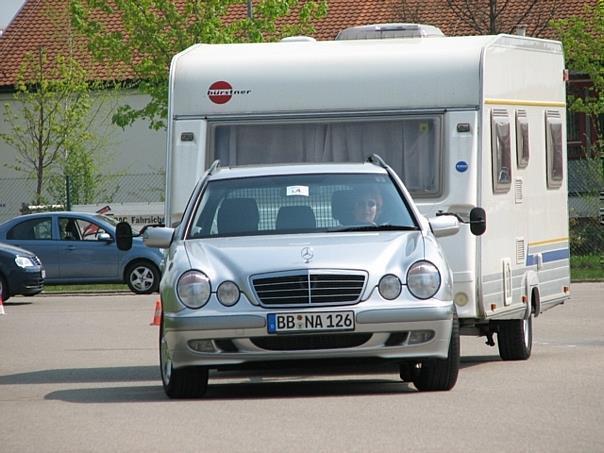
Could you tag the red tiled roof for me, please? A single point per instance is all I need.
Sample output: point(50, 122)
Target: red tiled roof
point(44, 24)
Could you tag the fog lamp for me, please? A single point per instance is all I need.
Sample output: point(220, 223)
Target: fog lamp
point(420, 336)
point(202, 345)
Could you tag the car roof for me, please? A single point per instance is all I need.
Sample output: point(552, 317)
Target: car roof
point(248, 171)
point(34, 215)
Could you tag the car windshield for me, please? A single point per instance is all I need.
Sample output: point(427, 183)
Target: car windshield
point(306, 203)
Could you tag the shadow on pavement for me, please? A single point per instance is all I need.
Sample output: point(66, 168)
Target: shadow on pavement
point(83, 375)
point(239, 390)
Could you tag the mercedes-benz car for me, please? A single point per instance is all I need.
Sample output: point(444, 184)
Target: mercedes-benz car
point(285, 264)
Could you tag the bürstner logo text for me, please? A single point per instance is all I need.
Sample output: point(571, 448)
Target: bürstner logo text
point(221, 92)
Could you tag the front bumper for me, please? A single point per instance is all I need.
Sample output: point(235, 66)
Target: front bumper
point(27, 282)
point(400, 331)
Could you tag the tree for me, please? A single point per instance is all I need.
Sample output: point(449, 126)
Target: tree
point(583, 40)
point(489, 17)
point(151, 32)
point(49, 124)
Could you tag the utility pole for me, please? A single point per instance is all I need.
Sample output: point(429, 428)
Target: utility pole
point(250, 9)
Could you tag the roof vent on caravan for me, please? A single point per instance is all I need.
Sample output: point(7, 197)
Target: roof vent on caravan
point(298, 38)
point(386, 31)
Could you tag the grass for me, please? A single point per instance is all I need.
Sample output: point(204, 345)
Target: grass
point(586, 268)
point(50, 289)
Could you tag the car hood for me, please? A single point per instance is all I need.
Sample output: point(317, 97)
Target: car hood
point(12, 250)
point(238, 258)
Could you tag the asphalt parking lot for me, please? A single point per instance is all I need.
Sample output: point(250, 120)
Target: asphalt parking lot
point(80, 373)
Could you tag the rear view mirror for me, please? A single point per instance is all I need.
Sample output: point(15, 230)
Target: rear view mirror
point(478, 221)
point(444, 225)
point(123, 236)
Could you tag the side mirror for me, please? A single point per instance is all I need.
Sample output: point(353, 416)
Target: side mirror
point(478, 221)
point(123, 236)
point(444, 225)
point(103, 237)
point(158, 237)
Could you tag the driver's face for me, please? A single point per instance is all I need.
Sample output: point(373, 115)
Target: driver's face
point(365, 209)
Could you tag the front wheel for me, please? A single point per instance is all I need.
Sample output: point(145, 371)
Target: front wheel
point(440, 374)
point(142, 277)
point(189, 382)
point(3, 288)
point(515, 338)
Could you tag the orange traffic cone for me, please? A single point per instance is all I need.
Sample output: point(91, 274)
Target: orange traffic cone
point(157, 315)
point(2, 312)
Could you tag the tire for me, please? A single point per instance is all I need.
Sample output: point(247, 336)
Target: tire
point(515, 338)
point(440, 374)
point(189, 382)
point(142, 277)
point(3, 288)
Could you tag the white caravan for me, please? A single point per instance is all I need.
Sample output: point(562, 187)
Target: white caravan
point(475, 121)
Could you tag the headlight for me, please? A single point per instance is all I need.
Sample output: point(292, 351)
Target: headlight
point(193, 289)
point(423, 280)
point(228, 293)
point(389, 286)
point(24, 261)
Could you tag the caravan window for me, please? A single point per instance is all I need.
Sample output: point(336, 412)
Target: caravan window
point(501, 150)
point(410, 145)
point(522, 138)
point(555, 158)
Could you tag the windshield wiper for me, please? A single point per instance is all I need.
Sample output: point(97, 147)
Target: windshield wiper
point(384, 227)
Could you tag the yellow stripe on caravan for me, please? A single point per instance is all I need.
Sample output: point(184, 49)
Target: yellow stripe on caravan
point(549, 241)
point(525, 102)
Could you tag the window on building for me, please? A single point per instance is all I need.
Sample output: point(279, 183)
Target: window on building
point(501, 150)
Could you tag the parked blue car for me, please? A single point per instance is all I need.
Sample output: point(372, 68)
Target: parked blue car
point(79, 247)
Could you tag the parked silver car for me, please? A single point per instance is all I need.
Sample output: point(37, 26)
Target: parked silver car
point(289, 263)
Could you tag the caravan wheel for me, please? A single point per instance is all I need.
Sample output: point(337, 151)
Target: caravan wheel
point(515, 338)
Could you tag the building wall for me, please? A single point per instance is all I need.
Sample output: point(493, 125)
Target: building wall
point(129, 157)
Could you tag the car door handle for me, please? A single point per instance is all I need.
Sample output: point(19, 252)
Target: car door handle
point(71, 247)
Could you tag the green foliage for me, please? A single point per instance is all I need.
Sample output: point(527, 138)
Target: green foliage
point(583, 39)
point(153, 31)
point(49, 122)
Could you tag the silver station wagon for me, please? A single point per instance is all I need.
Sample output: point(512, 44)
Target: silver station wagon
point(286, 264)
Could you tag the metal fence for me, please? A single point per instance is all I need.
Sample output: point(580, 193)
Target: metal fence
point(586, 207)
point(585, 200)
point(16, 194)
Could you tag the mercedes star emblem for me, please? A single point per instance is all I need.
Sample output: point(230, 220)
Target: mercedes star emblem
point(307, 254)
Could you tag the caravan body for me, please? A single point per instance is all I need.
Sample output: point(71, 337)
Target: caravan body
point(464, 121)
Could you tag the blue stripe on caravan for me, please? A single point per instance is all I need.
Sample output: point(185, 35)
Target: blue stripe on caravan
point(552, 255)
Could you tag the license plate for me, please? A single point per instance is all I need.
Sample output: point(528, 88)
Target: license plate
point(310, 322)
point(43, 273)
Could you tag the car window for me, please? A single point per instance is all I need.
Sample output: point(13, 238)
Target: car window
point(298, 204)
point(77, 229)
point(31, 230)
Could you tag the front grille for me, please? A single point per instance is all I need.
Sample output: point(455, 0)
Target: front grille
point(308, 287)
point(311, 342)
point(35, 260)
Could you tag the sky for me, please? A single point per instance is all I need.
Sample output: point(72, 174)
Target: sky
point(8, 9)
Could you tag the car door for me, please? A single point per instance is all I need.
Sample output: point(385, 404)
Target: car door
point(35, 235)
point(88, 251)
